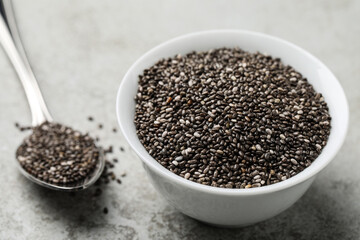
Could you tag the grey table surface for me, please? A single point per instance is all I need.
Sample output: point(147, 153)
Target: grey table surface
point(80, 50)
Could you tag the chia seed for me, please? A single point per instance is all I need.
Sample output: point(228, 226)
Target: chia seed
point(58, 154)
point(105, 210)
point(66, 144)
point(230, 114)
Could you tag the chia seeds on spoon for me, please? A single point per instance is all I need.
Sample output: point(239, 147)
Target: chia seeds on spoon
point(105, 177)
point(229, 118)
point(58, 154)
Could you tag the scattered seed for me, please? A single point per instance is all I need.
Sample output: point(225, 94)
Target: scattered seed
point(105, 210)
point(109, 150)
point(25, 128)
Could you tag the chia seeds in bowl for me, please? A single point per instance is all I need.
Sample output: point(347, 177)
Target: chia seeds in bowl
point(230, 207)
point(229, 118)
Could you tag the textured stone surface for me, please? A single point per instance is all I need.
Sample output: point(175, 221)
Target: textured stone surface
point(80, 50)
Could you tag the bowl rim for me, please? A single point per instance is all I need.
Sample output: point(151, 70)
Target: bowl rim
point(304, 175)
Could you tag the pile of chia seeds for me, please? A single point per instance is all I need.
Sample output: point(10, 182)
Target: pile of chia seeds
point(229, 118)
point(60, 155)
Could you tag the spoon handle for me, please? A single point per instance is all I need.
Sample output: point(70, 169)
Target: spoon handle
point(9, 34)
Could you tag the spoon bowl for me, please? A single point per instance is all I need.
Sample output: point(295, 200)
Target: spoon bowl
point(70, 187)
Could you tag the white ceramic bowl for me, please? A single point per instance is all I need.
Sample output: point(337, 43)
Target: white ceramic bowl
point(234, 207)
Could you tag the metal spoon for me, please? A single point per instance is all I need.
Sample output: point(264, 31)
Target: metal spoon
point(8, 37)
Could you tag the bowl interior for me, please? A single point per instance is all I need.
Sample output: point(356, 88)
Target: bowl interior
point(310, 67)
